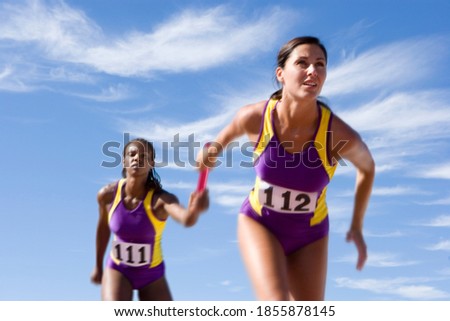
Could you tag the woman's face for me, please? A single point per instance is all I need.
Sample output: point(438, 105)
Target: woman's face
point(138, 159)
point(304, 73)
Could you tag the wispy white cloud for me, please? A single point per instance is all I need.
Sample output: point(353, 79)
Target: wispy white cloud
point(440, 171)
point(232, 287)
point(232, 187)
point(163, 129)
point(389, 191)
point(382, 260)
point(228, 195)
point(10, 81)
point(124, 110)
point(60, 31)
point(340, 211)
point(179, 166)
point(355, 34)
point(5, 73)
point(219, 111)
point(177, 185)
point(67, 74)
point(206, 38)
point(384, 235)
point(423, 113)
point(342, 227)
point(396, 191)
point(232, 201)
point(440, 221)
point(22, 74)
point(404, 288)
point(395, 144)
point(426, 111)
point(228, 285)
point(445, 272)
point(110, 94)
point(389, 66)
point(231, 194)
point(440, 246)
point(440, 201)
point(388, 167)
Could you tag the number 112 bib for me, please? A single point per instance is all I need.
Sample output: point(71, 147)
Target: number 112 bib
point(285, 200)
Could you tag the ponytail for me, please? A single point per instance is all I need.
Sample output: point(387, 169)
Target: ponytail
point(277, 95)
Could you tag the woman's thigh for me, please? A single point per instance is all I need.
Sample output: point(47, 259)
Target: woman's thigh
point(307, 271)
point(264, 259)
point(115, 287)
point(156, 291)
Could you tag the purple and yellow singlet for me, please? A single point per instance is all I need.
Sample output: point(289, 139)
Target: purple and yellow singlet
point(136, 248)
point(289, 196)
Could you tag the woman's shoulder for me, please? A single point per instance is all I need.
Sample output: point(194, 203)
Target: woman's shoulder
point(340, 128)
point(254, 109)
point(107, 193)
point(346, 137)
point(250, 115)
point(163, 196)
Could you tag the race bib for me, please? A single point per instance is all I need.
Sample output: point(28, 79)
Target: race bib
point(285, 200)
point(132, 254)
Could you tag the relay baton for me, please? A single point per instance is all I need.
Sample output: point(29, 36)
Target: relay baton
point(203, 176)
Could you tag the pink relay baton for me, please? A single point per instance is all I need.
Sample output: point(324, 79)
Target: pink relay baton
point(203, 177)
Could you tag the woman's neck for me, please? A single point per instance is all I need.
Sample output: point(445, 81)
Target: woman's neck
point(297, 112)
point(135, 187)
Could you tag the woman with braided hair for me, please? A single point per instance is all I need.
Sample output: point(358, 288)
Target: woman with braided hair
point(135, 210)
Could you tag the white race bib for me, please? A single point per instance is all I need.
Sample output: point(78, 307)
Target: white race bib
point(285, 200)
point(132, 254)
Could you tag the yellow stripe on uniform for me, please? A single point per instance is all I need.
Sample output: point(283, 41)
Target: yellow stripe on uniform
point(264, 139)
point(321, 210)
point(159, 226)
point(253, 197)
point(321, 142)
point(267, 131)
point(117, 198)
point(116, 202)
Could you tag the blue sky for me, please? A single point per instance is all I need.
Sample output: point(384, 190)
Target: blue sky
point(76, 77)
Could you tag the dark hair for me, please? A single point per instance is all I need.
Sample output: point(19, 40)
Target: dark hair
point(153, 179)
point(286, 50)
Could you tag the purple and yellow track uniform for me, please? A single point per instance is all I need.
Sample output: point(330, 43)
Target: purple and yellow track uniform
point(290, 188)
point(136, 248)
